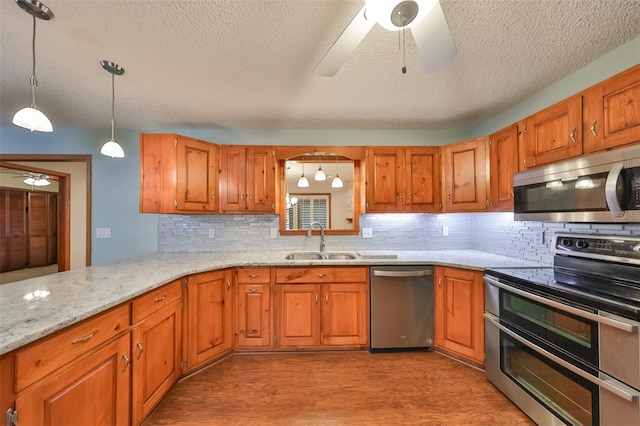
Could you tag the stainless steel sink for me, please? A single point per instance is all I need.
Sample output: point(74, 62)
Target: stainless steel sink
point(306, 255)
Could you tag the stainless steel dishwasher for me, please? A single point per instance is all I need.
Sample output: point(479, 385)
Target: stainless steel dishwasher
point(401, 308)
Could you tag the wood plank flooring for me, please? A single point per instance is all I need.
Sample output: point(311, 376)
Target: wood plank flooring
point(337, 388)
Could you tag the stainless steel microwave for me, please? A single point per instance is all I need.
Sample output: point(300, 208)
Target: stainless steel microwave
point(602, 187)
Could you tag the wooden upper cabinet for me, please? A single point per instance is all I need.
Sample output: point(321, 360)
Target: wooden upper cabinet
point(247, 179)
point(465, 176)
point(503, 163)
point(611, 112)
point(177, 174)
point(553, 134)
point(403, 179)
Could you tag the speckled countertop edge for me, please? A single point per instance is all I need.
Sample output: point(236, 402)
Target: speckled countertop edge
point(81, 293)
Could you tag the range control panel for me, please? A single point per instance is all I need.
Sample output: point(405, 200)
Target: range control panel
point(614, 248)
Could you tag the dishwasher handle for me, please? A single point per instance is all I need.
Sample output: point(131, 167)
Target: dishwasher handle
point(400, 274)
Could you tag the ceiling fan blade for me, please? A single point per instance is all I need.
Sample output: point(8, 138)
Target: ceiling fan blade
point(344, 45)
point(433, 39)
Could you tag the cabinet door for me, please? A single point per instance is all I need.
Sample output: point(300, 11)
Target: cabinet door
point(553, 134)
point(459, 308)
point(92, 392)
point(298, 314)
point(464, 176)
point(344, 314)
point(611, 112)
point(233, 190)
point(156, 354)
point(384, 180)
point(197, 175)
point(422, 179)
point(503, 160)
point(210, 328)
point(261, 181)
point(254, 314)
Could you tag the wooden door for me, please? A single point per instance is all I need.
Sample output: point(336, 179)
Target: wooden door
point(41, 219)
point(298, 314)
point(261, 183)
point(196, 175)
point(210, 328)
point(13, 233)
point(156, 354)
point(344, 314)
point(384, 184)
point(465, 176)
point(611, 112)
point(553, 134)
point(94, 391)
point(253, 315)
point(422, 179)
point(503, 160)
point(233, 178)
point(459, 308)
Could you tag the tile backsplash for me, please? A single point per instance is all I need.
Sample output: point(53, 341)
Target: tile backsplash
point(491, 232)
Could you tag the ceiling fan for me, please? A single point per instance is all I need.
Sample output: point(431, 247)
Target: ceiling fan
point(30, 178)
point(424, 18)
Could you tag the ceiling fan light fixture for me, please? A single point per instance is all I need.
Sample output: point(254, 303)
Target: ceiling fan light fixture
point(31, 117)
point(395, 15)
point(36, 181)
point(112, 148)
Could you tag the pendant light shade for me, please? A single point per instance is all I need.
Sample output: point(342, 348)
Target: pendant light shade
point(112, 148)
point(303, 182)
point(31, 117)
point(320, 176)
point(337, 181)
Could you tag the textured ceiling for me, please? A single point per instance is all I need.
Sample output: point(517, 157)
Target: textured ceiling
point(249, 64)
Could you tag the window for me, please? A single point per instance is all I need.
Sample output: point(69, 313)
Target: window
point(308, 209)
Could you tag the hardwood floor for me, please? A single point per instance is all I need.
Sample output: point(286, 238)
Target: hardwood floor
point(337, 388)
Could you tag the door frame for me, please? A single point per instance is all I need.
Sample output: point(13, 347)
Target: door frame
point(64, 205)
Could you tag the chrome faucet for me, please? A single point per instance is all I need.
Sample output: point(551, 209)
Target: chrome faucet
point(321, 234)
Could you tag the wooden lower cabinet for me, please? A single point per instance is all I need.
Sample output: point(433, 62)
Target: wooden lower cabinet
point(94, 391)
point(253, 308)
point(313, 310)
point(156, 351)
point(459, 309)
point(210, 316)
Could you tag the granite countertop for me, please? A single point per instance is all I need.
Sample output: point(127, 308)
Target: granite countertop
point(80, 293)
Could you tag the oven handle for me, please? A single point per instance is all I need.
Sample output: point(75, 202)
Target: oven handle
point(620, 325)
point(622, 393)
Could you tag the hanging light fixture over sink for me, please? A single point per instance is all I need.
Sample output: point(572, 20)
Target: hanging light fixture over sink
point(112, 148)
point(31, 117)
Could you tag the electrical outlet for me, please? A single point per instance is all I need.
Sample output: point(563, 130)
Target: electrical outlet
point(212, 233)
point(367, 232)
point(274, 232)
point(538, 237)
point(445, 231)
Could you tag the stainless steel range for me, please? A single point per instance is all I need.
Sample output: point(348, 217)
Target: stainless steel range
point(563, 343)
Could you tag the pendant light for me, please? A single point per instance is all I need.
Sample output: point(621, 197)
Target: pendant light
point(303, 182)
point(337, 182)
point(112, 148)
point(320, 176)
point(31, 117)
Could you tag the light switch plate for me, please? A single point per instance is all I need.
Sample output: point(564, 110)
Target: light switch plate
point(274, 232)
point(367, 232)
point(445, 231)
point(103, 232)
point(212, 233)
point(538, 237)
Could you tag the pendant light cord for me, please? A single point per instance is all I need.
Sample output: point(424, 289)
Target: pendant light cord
point(34, 82)
point(113, 107)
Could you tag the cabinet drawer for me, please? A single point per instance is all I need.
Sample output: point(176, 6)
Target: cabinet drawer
point(149, 303)
point(254, 276)
point(37, 361)
point(322, 275)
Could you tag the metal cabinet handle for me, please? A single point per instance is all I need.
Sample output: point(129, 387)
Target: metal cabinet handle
point(253, 290)
point(228, 284)
point(254, 331)
point(320, 275)
point(316, 298)
point(513, 194)
point(408, 199)
point(401, 274)
point(85, 338)
point(449, 198)
point(160, 299)
point(400, 196)
point(572, 135)
point(140, 349)
point(326, 298)
point(127, 361)
point(254, 275)
point(622, 393)
point(593, 128)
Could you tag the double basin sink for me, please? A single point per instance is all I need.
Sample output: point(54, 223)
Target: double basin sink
point(312, 255)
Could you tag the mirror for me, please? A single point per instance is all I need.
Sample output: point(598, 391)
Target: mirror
point(337, 207)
